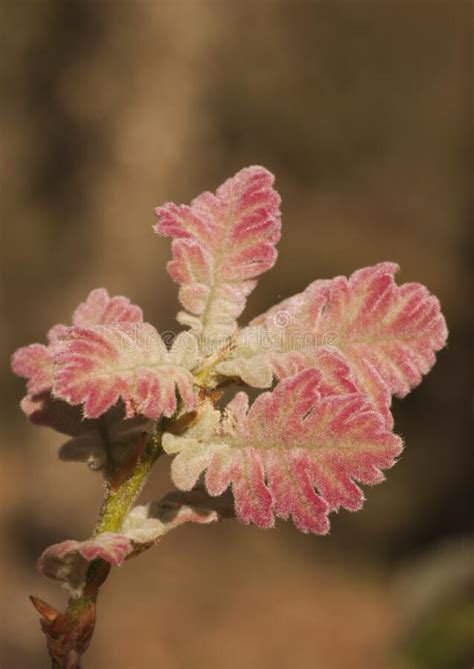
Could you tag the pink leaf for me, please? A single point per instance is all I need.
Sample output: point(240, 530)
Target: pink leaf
point(36, 363)
point(111, 547)
point(90, 439)
point(386, 334)
point(143, 526)
point(221, 243)
point(297, 451)
point(98, 365)
point(68, 561)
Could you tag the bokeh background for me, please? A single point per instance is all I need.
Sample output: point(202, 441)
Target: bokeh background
point(362, 110)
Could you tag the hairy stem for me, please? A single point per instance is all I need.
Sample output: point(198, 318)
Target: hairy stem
point(126, 486)
point(69, 633)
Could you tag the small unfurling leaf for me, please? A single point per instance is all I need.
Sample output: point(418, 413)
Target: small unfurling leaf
point(69, 560)
point(144, 525)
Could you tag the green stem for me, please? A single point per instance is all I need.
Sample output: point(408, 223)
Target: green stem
point(69, 633)
point(120, 499)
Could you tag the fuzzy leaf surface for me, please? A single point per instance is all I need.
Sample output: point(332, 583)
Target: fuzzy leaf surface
point(91, 441)
point(387, 335)
point(296, 451)
point(146, 524)
point(36, 361)
point(97, 366)
point(221, 244)
point(143, 526)
point(68, 561)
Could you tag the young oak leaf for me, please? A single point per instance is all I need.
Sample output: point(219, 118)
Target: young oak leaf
point(96, 366)
point(36, 361)
point(143, 526)
point(94, 441)
point(386, 334)
point(296, 451)
point(146, 524)
point(68, 561)
point(221, 243)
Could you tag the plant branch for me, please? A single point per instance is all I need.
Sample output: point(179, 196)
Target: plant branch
point(69, 633)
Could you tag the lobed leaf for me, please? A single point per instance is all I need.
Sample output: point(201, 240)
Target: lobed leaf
point(146, 524)
point(221, 243)
point(68, 561)
point(143, 526)
point(96, 366)
point(298, 451)
point(93, 441)
point(387, 335)
point(36, 361)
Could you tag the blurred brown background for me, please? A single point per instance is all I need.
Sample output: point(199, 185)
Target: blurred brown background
point(362, 111)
